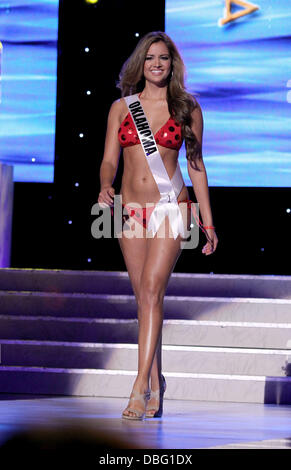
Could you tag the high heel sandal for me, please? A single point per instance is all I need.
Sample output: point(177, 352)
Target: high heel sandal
point(144, 398)
point(158, 395)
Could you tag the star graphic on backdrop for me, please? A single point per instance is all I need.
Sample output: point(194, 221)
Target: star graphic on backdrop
point(228, 16)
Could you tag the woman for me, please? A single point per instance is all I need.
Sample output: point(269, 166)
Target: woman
point(155, 73)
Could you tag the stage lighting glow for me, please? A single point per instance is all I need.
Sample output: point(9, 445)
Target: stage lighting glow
point(88, 92)
point(33, 159)
point(81, 135)
point(288, 211)
point(92, 2)
point(87, 49)
point(77, 184)
point(136, 35)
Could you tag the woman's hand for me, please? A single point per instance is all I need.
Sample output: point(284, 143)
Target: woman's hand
point(211, 244)
point(106, 195)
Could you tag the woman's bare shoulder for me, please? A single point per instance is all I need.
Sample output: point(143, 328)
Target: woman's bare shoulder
point(118, 107)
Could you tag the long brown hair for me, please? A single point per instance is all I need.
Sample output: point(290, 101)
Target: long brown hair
point(180, 102)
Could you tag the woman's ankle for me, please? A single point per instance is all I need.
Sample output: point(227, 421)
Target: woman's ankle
point(156, 382)
point(141, 385)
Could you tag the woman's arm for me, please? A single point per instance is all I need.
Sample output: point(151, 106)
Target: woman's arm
point(199, 178)
point(111, 155)
point(200, 184)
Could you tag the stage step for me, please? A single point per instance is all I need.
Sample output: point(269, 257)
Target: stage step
point(225, 338)
point(124, 307)
point(175, 332)
point(118, 383)
point(117, 282)
point(188, 359)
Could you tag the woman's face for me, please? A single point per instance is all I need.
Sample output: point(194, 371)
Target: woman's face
point(157, 64)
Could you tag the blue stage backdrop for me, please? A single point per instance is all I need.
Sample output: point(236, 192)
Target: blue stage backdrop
point(241, 72)
point(29, 34)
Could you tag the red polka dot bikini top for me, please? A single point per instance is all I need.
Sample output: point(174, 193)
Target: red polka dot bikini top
point(169, 135)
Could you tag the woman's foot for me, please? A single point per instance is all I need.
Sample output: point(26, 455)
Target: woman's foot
point(137, 405)
point(154, 407)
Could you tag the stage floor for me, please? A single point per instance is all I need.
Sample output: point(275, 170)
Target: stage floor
point(184, 425)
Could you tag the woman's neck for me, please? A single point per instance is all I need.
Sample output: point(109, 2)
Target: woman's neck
point(154, 92)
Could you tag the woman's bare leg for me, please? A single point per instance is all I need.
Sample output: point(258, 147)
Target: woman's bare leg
point(134, 254)
point(160, 258)
point(156, 380)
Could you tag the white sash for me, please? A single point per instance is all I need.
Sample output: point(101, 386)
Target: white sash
point(169, 188)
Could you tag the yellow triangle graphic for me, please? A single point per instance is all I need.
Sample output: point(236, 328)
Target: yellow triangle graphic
point(228, 16)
